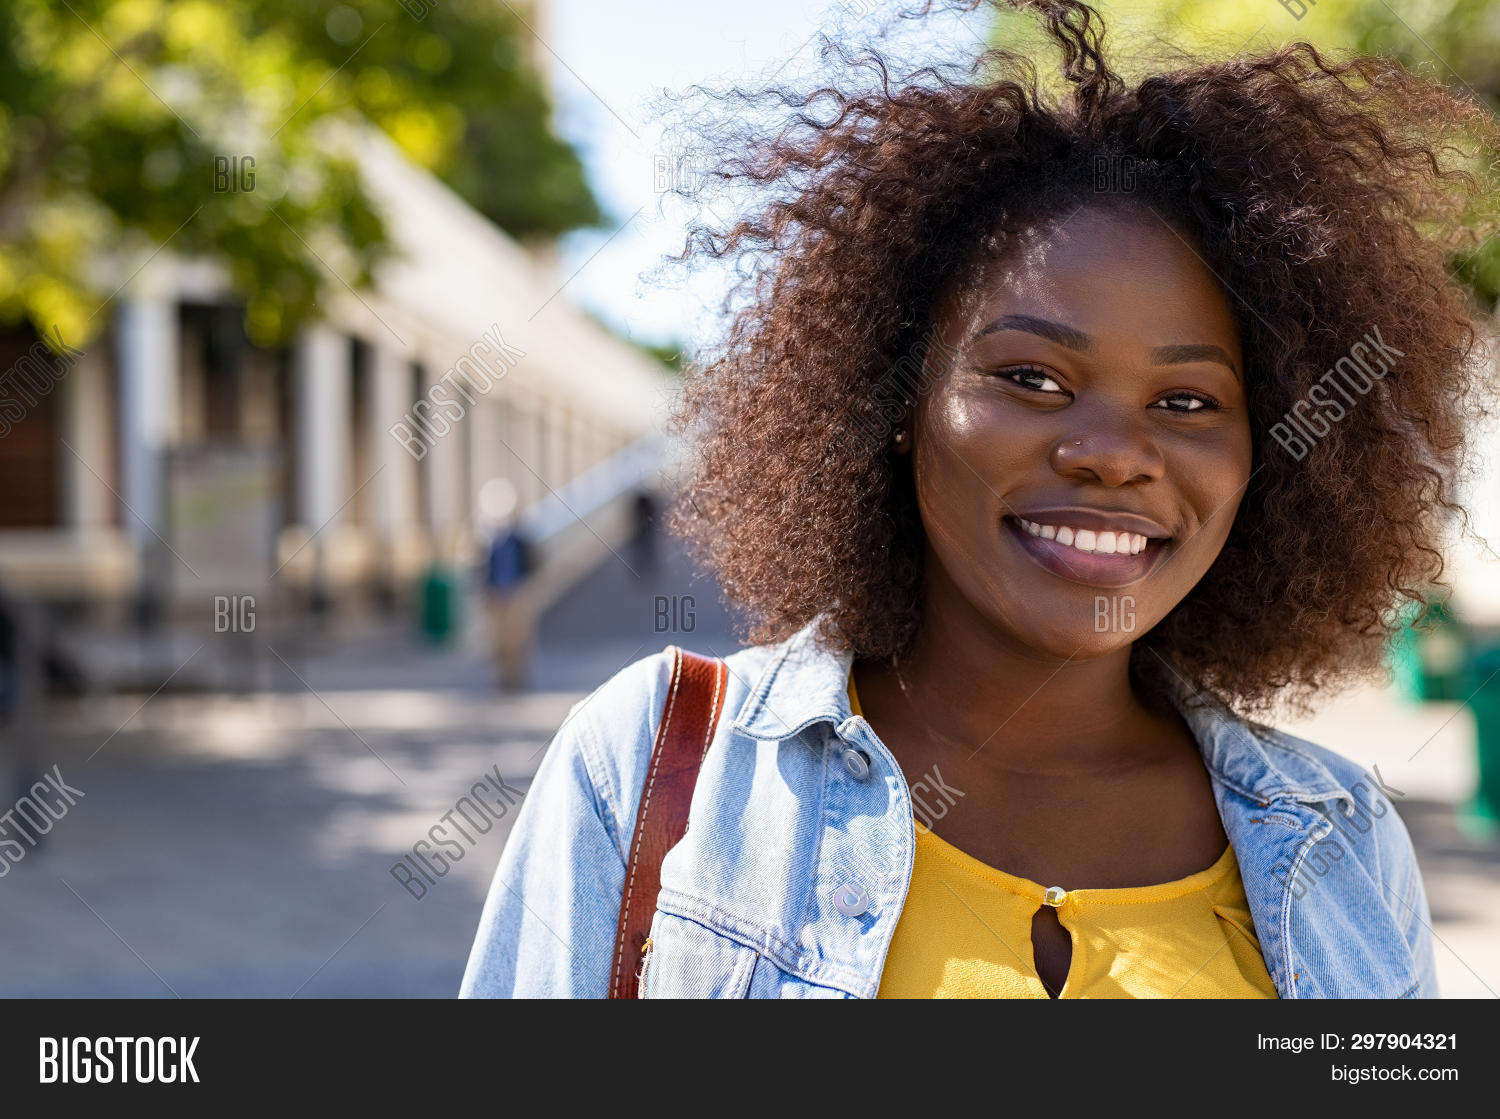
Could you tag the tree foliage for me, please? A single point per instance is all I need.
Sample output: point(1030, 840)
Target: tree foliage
point(1456, 42)
point(125, 125)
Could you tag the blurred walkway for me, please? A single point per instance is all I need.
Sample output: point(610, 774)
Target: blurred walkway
point(243, 846)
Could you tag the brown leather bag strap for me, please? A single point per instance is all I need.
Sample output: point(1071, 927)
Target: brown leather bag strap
point(687, 727)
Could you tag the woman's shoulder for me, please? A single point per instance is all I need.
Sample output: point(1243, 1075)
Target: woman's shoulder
point(613, 728)
point(1362, 801)
point(1266, 763)
point(1308, 764)
point(627, 707)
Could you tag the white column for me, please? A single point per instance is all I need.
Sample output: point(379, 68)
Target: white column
point(393, 492)
point(147, 360)
point(86, 418)
point(557, 435)
point(321, 375)
point(526, 445)
point(582, 445)
point(443, 469)
point(487, 454)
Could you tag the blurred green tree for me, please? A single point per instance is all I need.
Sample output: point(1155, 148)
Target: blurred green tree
point(128, 124)
point(1456, 42)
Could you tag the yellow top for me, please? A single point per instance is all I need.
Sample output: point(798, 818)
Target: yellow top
point(965, 932)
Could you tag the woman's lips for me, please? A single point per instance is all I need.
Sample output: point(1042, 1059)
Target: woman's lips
point(1092, 569)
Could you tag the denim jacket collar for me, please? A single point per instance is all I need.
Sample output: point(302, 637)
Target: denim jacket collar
point(806, 683)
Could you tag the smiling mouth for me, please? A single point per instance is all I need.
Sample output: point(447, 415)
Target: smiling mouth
point(1090, 556)
point(1088, 540)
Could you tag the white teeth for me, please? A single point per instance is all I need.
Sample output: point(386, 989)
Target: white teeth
point(1087, 540)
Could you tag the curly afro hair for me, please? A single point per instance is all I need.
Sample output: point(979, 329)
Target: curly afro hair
point(1326, 194)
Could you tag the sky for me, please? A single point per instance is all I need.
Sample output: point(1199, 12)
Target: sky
point(609, 60)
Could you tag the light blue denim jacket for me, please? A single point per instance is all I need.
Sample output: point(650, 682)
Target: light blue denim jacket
point(797, 858)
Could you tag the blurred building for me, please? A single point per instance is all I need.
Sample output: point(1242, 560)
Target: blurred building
point(175, 459)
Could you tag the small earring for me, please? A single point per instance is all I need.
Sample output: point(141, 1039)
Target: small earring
point(901, 437)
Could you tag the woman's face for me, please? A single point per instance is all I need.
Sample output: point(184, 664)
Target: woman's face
point(1082, 452)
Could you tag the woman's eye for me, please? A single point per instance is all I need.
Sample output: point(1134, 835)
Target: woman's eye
point(1032, 378)
point(1186, 402)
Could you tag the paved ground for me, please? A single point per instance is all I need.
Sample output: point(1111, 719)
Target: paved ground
point(242, 846)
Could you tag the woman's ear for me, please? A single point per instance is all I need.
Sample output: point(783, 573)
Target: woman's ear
point(901, 438)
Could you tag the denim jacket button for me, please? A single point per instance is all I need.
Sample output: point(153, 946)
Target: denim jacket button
point(851, 900)
point(857, 762)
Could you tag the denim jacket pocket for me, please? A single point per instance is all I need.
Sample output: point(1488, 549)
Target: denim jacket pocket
point(687, 960)
point(770, 982)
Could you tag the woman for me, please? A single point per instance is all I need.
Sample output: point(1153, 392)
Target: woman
point(1054, 440)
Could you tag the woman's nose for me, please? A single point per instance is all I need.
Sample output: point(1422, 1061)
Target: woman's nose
point(1113, 454)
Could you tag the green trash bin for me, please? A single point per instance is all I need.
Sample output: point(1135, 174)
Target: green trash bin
point(1484, 688)
point(1404, 657)
point(1439, 646)
point(439, 599)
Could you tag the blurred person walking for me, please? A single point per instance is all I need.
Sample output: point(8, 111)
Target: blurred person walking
point(643, 543)
point(507, 563)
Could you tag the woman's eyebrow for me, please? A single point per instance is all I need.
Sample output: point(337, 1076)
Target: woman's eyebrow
point(1075, 339)
point(1181, 355)
point(1067, 336)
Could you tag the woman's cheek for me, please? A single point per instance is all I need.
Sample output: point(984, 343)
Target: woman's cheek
point(1214, 479)
point(984, 436)
point(958, 463)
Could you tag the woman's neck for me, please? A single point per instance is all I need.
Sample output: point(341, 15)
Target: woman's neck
point(969, 684)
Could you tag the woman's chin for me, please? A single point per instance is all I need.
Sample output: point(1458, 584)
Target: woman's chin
point(1071, 637)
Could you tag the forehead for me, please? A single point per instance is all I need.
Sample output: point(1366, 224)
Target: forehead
point(1117, 273)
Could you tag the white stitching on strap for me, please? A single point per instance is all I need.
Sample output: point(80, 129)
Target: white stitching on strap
point(721, 675)
point(635, 853)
